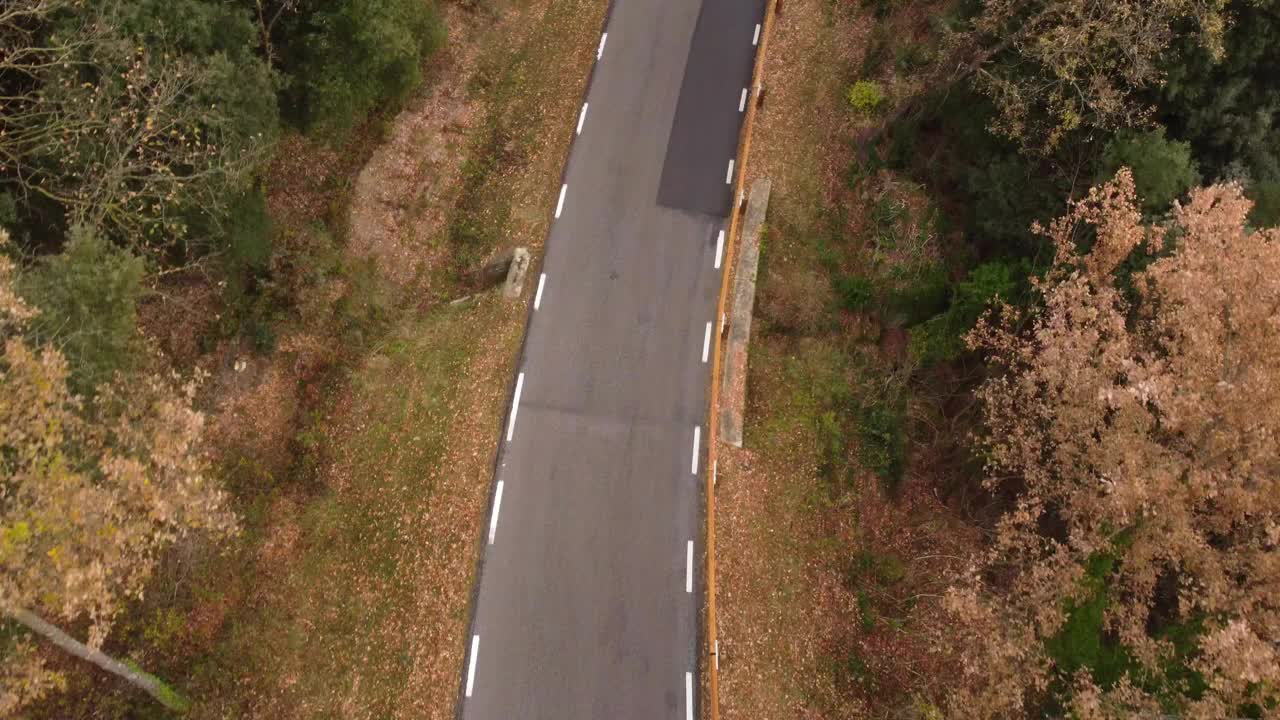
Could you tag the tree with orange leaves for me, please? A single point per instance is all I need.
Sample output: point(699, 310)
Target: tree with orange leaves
point(1135, 415)
point(91, 491)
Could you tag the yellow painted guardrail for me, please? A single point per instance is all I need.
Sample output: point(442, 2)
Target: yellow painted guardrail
point(713, 422)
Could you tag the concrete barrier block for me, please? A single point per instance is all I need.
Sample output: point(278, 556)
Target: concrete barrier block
point(733, 389)
point(514, 284)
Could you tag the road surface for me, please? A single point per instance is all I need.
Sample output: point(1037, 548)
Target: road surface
point(589, 592)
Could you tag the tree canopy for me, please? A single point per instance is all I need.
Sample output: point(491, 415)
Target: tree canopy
point(90, 490)
point(1056, 66)
point(1135, 574)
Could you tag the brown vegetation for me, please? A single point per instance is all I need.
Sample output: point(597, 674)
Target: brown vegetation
point(1140, 437)
point(94, 490)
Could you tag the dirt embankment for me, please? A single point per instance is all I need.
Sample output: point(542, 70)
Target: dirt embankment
point(402, 197)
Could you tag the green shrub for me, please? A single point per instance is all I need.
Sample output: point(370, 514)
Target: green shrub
point(1266, 208)
point(856, 293)
point(937, 340)
point(88, 299)
point(832, 447)
point(917, 296)
point(1083, 642)
point(877, 51)
point(866, 96)
point(941, 337)
point(261, 334)
point(886, 212)
point(851, 671)
point(879, 8)
point(882, 443)
point(866, 612)
point(8, 209)
point(910, 57)
point(248, 234)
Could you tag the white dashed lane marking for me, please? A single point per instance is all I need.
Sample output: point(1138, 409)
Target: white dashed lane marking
point(515, 406)
point(471, 671)
point(497, 507)
point(560, 202)
point(697, 440)
point(688, 568)
point(537, 299)
point(688, 696)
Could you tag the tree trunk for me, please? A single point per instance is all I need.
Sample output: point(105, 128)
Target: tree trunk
point(154, 686)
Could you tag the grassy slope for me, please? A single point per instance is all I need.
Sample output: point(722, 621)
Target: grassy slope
point(825, 576)
point(339, 620)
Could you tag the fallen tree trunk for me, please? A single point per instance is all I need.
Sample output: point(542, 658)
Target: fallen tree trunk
point(154, 686)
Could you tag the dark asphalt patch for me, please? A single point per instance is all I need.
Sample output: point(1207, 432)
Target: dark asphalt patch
point(704, 134)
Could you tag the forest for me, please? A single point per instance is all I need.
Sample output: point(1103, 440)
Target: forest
point(1036, 288)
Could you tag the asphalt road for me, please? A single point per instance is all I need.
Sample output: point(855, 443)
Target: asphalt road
point(589, 595)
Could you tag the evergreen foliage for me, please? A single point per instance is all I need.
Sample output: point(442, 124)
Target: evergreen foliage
point(346, 57)
point(1229, 108)
point(88, 300)
point(1163, 169)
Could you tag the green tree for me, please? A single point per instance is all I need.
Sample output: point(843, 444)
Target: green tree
point(88, 299)
point(1053, 67)
point(1163, 169)
point(133, 117)
point(1228, 107)
point(346, 57)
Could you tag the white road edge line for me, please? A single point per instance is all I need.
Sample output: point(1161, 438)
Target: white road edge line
point(688, 568)
point(560, 202)
point(728, 177)
point(688, 696)
point(755, 39)
point(600, 50)
point(471, 671)
point(719, 248)
point(515, 406)
point(497, 507)
point(742, 101)
point(581, 117)
point(537, 298)
point(697, 440)
point(706, 342)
